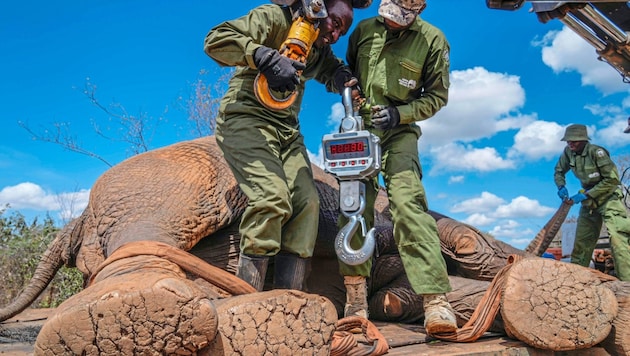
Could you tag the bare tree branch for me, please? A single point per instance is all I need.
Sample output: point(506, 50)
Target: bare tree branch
point(137, 131)
point(133, 130)
point(202, 103)
point(61, 136)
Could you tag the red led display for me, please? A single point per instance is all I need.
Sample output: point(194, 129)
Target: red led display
point(348, 147)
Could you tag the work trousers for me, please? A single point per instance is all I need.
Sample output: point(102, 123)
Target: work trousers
point(271, 165)
point(415, 231)
point(613, 215)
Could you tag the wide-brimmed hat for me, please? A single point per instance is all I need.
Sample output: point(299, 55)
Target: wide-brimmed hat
point(402, 12)
point(575, 132)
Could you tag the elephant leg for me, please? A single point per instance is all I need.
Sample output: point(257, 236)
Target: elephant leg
point(276, 322)
point(140, 305)
point(556, 306)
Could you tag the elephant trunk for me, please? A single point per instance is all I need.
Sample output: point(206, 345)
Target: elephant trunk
point(48, 266)
point(544, 237)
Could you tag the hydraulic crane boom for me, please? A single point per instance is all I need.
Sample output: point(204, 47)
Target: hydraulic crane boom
point(603, 24)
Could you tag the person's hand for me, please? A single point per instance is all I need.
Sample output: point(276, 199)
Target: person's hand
point(385, 117)
point(343, 78)
point(563, 193)
point(281, 72)
point(579, 197)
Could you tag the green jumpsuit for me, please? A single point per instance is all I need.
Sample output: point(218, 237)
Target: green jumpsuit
point(599, 177)
point(265, 149)
point(408, 69)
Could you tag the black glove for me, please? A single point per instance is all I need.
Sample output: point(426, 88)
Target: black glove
point(281, 72)
point(344, 76)
point(385, 117)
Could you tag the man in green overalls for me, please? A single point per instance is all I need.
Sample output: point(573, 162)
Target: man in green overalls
point(402, 63)
point(600, 196)
point(264, 147)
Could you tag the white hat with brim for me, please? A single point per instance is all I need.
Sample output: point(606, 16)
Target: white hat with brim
point(402, 12)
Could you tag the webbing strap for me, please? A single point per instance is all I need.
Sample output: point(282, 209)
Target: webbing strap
point(486, 310)
point(344, 342)
point(188, 262)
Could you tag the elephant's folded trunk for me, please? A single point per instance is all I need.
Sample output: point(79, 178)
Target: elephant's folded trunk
point(48, 266)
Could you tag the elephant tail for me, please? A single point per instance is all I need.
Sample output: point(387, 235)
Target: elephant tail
point(544, 237)
point(48, 266)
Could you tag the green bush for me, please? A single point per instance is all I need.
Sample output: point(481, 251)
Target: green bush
point(21, 246)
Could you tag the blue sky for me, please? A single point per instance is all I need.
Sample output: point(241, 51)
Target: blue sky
point(488, 156)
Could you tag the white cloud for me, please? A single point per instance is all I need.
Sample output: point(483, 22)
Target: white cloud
point(537, 139)
point(481, 103)
point(31, 196)
point(455, 179)
point(565, 51)
point(604, 110)
point(478, 220)
point(511, 232)
point(457, 157)
point(337, 112)
point(489, 210)
point(612, 135)
point(71, 205)
point(522, 207)
point(316, 159)
point(495, 207)
point(28, 196)
point(486, 202)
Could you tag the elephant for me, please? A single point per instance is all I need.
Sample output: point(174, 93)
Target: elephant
point(147, 210)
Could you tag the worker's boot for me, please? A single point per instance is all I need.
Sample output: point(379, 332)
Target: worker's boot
point(356, 296)
point(289, 271)
point(438, 314)
point(252, 269)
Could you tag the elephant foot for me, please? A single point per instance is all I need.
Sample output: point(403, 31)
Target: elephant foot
point(396, 304)
point(556, 306)
point(277, 322)
point(392, 305)
point(139, 305)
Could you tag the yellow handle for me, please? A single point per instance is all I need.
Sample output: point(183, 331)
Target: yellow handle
point(267, 98)
point(300, 39)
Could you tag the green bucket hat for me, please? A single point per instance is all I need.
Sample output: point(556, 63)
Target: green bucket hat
point(575, 132)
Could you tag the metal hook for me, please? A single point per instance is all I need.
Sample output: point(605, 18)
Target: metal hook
point(345, 252)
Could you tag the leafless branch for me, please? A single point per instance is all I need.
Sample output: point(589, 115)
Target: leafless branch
point(61, 136)
point(202, 103)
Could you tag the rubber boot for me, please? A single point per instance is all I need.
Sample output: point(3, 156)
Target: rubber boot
point(438, 314)
point(289, 271)
point(356, 296)
point(252, 269)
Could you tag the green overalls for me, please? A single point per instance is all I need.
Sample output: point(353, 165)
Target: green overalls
point(598, 176)
point(265, 149)
point(408, 69)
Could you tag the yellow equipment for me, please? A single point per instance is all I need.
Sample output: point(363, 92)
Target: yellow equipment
point(297, 46)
